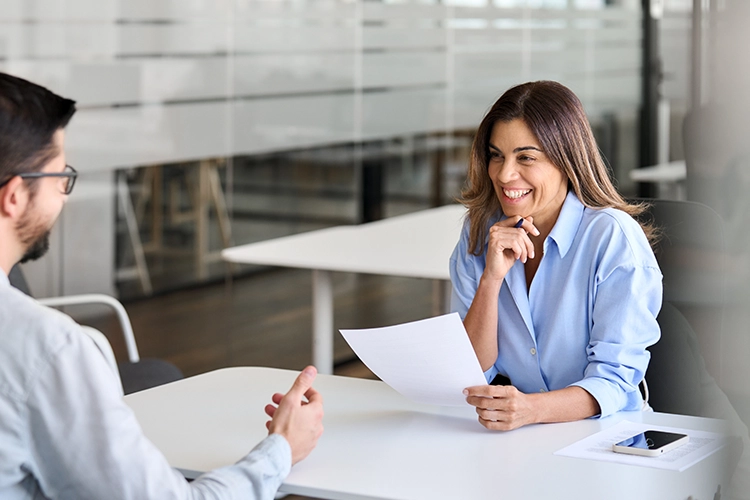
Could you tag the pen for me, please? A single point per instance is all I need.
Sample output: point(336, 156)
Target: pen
point(519, 223)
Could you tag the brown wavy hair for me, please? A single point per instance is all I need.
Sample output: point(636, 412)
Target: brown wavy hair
point(556, 117)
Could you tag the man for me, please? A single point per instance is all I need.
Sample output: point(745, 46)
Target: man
point(64, 428)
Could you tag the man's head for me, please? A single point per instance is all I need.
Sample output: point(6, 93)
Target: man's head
point(34, 179)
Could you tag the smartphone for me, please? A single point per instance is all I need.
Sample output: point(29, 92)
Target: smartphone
point(650, 443)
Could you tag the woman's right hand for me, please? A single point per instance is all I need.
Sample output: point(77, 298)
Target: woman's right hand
point(508, 244)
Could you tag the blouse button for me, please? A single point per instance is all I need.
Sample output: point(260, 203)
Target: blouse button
point(533, 351)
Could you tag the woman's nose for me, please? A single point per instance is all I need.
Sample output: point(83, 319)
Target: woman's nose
point(507, 171)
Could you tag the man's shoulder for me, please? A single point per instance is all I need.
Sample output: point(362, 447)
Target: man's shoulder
point(22, 314)
point(31, 335)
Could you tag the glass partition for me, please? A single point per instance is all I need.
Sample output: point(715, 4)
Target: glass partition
point(206, 124)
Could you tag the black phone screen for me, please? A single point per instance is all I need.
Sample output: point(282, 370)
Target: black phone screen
point(651, 440)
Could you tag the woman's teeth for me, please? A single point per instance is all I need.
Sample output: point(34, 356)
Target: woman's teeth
point(515, 193)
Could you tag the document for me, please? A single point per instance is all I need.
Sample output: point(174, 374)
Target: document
point(599, 447)
point(429, 361)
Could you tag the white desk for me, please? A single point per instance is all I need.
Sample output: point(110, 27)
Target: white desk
point(378, 445)
point(669, 177)
point(415, 245)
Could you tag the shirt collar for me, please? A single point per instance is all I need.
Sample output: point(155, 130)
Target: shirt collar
point(564, 231)
point(4, 278)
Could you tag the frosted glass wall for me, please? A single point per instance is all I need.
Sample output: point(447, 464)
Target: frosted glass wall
point(172, 81)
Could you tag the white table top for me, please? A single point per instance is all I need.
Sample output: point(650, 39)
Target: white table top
point(414, 245)
point(378, 445)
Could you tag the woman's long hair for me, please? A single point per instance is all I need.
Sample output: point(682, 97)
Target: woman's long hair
point(556, 117)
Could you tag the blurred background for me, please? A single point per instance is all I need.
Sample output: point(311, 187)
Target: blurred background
point(205, 124)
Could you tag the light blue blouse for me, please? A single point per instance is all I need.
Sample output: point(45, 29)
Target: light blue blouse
point(589, 315)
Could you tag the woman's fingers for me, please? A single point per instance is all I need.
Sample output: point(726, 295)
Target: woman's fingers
point(508, 243)
point(524, 227)
point(500, 407)
point(515, 240)
point(528, 226)
point(520, 250)
point(529, 247)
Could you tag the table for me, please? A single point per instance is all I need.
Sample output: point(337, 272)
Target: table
point(669, 177)
point(416, 245)
point(379, 445)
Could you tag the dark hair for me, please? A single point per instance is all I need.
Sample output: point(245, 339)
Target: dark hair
point(556, 117)
point(29, 117)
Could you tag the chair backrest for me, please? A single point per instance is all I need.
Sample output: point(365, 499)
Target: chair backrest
point(691, 255)
point(676, 370)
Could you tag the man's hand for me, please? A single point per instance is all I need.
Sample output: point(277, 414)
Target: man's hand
point(300, 422)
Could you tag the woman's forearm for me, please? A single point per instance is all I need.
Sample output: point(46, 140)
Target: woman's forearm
point(481, 322)
point(564, 405)
point(505, 408)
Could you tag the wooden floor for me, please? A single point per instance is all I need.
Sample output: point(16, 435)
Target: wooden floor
point(264, 320)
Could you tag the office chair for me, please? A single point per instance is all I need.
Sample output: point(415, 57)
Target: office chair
point(690, 253)
point(676, 372)
point(136, 374)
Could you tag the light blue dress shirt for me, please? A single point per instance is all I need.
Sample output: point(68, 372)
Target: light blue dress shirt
point(589, 315)
point(66, 433)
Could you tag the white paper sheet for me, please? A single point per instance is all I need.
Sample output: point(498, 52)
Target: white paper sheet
point(599, 447)
point(430, 361)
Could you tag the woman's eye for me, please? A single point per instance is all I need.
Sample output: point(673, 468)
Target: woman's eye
point(525, 159)
point(494, 155)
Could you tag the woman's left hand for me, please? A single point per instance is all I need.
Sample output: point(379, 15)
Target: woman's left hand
point(501, 407)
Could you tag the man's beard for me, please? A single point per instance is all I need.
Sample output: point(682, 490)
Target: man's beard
point(34, 235)
point(37, 249)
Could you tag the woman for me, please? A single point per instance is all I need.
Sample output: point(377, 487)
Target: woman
point(555, 281)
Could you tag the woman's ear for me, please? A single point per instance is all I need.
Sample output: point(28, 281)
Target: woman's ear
point(14, 197)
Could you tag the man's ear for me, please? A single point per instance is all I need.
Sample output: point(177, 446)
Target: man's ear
point(14, 197)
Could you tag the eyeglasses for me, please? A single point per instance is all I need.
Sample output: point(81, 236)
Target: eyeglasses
point(68, 177)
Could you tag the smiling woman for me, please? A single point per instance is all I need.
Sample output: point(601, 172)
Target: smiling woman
point(554, 279)
point(556, 121)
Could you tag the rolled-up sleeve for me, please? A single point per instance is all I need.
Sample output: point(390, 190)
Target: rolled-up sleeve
point(626, 303)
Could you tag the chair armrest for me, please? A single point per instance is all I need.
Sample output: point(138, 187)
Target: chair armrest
point(98, 298)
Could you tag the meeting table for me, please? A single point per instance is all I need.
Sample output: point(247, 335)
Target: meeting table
point(379, 445)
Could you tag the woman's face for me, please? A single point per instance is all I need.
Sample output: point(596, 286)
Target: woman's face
point(525, 180)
